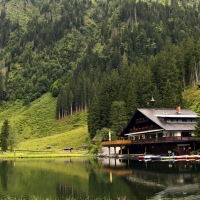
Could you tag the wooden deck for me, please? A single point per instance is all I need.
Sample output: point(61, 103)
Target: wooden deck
point(116, 143)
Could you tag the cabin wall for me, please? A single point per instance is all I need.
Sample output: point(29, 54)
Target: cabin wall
point(162, 149)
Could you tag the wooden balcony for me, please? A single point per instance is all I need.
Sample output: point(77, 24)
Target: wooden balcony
point(116, 143)
point(164, 140)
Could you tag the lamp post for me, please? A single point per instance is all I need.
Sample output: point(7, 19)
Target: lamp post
point(152, 102)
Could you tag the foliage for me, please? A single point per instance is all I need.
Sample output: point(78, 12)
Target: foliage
point(5, 130)
point(101, 135)
point(118, 116)
point(197, 130)
point(12, 139)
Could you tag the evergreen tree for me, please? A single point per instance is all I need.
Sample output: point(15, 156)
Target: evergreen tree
point(168, 96)
point(4, 135)
point(12, 139)
point(1, 87)
point(131, 100)
point(94, 120)
point(197, 130)
point(118, 117)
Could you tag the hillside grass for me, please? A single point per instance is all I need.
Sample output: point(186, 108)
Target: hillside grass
point(191, 97)
point(37, 128)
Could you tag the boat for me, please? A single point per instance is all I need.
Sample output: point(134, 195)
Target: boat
point(186, 157)
point(156, 158)
point(145, 158)
point(168, 158)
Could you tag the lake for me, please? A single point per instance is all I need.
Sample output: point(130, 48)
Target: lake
point(83, 178)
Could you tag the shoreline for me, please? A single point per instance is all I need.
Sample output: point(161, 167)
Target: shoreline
point(56, 154)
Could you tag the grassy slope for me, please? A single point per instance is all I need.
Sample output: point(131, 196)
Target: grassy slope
point(37, 128)
point(191, 96)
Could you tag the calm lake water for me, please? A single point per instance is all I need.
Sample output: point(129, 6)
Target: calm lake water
point(113, 178)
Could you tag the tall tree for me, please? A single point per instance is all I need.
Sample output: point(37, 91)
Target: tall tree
point(118, 117)
point(4, 135)
point(1, 87)
point(12, 139)
point(197, 130)
point(94, 121)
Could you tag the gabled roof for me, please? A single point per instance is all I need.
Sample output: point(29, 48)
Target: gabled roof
point(157, 114)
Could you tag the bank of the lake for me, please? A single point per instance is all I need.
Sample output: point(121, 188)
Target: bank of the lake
point(44, 154)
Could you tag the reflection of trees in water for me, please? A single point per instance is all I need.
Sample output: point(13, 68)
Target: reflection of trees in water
point(94, 184)
point(166, 173)
point(5, 170)
point(150, 178)
point(4, 174)
point(100, 186)
point(64, 191)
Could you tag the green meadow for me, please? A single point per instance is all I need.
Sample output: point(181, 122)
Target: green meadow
point(37, 129)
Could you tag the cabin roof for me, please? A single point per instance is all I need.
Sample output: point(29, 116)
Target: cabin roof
point(158, 116)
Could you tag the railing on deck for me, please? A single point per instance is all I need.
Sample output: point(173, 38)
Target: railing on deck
point(117, 143)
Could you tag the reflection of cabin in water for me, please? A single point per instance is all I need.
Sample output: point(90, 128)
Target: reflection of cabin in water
point(158, 131)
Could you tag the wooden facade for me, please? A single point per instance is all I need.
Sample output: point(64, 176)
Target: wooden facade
point(158, 131)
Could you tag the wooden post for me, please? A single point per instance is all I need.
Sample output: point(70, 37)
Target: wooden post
point(128, 150)
point(110, 177)
point(115, 150)
point(121, 150)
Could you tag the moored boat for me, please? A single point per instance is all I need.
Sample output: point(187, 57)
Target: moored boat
point(168, 158)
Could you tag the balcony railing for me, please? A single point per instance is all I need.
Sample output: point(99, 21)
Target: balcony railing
point(117, 143)
point(163, 140)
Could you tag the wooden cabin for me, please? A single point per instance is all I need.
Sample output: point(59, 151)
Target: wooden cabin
point(159, 131)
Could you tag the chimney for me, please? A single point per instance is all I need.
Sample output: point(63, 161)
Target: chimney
point(178, 109)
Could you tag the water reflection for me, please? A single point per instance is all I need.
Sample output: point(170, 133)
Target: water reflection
point(98, 178)
point(157, 180)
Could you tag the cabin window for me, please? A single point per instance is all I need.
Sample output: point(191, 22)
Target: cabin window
point(167, 119)
point(185, 134)
point(160, 135)
point(148, 136)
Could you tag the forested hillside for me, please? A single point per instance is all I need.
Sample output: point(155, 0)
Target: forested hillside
point(104, 57)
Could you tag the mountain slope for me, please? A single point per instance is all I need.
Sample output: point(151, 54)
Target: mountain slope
point(191, 96)
point(37, 128)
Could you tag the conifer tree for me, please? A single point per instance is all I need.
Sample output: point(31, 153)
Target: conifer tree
point(4, 135)
point(94, 121)
point(118, 117)
point(197, 130)
point(1, 87)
